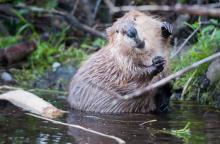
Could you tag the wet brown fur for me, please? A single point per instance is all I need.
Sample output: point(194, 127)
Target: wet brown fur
point(117, 69)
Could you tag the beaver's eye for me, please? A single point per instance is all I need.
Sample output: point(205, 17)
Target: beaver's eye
point(132, 32)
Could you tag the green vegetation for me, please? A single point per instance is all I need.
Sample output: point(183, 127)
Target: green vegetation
point(53, 49)
point(46, 54)
point(208, 42)
point(184, 133)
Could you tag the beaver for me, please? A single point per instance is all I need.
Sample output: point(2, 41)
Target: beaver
point(136, 55)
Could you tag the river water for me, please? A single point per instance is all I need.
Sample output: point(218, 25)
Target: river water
point(18, 128)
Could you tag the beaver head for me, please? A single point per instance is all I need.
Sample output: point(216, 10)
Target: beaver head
point(137, 36)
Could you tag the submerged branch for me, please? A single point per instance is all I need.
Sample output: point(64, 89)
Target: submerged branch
point(146, 122)
point(119, 140)
point(166, 80)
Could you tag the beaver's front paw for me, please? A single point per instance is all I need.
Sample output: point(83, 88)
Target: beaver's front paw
point(158, 64)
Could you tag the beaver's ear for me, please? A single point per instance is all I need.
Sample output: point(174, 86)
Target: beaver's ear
point(166, 29)
point(109, 32)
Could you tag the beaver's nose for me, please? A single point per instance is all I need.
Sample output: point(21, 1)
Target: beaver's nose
point(140, 43)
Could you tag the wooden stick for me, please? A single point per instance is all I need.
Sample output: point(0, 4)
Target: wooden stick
point(202, 10)
point(119, 140)
point(169, 78)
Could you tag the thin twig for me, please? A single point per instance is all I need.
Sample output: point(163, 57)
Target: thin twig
point(185, 42)
point(150, 121)
point(96, 8)
point(119, 140)
point(75, 5)
point(164, 81)
point(202, 10)
point(69, 18)
point(187, 84)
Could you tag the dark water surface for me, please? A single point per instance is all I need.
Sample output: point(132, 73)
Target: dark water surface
point(18, 128)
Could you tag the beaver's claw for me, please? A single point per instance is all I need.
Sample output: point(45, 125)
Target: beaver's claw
point(158, 64)
point(166, 29)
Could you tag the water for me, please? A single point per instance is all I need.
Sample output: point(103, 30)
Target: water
point(18, 128)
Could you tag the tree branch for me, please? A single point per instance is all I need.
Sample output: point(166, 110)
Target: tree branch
point(71, 20)
point(202, 10)
point(164, 81)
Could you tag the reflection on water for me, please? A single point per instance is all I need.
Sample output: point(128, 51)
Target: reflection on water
point(15, 127)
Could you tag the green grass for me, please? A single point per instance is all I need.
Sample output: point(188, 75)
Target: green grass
point(208, 41)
